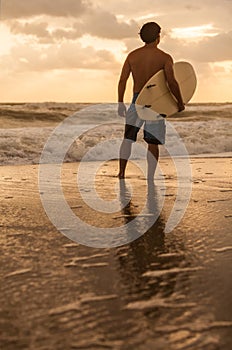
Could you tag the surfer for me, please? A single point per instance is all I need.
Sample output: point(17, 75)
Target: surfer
point(143, 63)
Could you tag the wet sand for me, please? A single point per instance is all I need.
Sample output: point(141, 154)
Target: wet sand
point(163, 291)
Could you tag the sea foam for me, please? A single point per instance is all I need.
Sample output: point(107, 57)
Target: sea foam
point(204, 129)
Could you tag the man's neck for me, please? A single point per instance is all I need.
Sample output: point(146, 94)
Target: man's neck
point(152, 45)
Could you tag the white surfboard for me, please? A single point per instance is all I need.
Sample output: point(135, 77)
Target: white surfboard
point(155, 98)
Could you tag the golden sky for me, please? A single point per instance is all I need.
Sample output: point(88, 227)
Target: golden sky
point(72, 51)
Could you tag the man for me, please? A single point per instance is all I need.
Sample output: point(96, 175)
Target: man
point(143, 63)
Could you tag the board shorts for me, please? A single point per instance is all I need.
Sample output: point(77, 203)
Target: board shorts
point(153, 131)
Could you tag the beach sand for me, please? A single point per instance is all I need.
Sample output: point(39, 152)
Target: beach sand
point(163, 291)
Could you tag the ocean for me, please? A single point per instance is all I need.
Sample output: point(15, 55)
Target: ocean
point(205, 129)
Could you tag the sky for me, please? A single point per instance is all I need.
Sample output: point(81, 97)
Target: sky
point(73, 50)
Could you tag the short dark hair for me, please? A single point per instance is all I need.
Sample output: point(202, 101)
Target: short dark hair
point(149, 32)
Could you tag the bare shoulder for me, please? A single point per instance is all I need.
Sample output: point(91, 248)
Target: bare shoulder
point(166, 56)
point(141, 51)
point(135, 52)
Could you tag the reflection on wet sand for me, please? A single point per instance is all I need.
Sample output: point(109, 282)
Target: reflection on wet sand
point(162, 291)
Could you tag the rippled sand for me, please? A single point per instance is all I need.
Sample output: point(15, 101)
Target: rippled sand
point(163, 291)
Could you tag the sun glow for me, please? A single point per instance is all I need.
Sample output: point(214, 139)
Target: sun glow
point(194, 32)
point(6, 39)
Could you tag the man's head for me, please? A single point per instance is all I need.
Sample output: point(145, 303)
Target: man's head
point(150, 32)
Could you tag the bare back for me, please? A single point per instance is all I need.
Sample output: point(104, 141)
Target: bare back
point(144, 62)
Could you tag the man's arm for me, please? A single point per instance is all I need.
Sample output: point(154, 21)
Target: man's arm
point(122, 87)
point(173, 84)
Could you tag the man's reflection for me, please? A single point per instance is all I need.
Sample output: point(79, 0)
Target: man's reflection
point(143, 248)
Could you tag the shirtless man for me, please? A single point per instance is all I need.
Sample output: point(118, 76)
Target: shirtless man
point(143, 63)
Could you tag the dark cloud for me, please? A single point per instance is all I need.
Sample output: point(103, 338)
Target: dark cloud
point(96, 23)
point(29, 8)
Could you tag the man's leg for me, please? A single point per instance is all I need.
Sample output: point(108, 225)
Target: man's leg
point(152, 160)
point(133, 124)
point(125, 152)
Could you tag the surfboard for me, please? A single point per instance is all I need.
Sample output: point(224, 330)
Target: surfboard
point(156, 99)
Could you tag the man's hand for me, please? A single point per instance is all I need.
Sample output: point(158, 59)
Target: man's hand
point(121, 109)
point(180, 106)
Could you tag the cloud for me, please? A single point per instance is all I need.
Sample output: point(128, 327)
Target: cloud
point(49, 38)
point(104, 24)
point(118, 20)
point(41, 30)
point(176, 13)
point(96, 23)
point(61, 34)
point(214, 49)
point(209, 49)
point(37, 29)
point(25, 58)
point(28, 8)
point(71, 33)
point(169, 14)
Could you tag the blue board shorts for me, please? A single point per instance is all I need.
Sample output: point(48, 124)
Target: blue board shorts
point(153, 131)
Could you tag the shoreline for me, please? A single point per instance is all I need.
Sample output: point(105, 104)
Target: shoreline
point(161, 157)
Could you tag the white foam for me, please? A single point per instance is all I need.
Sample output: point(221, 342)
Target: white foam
point(200, 136)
